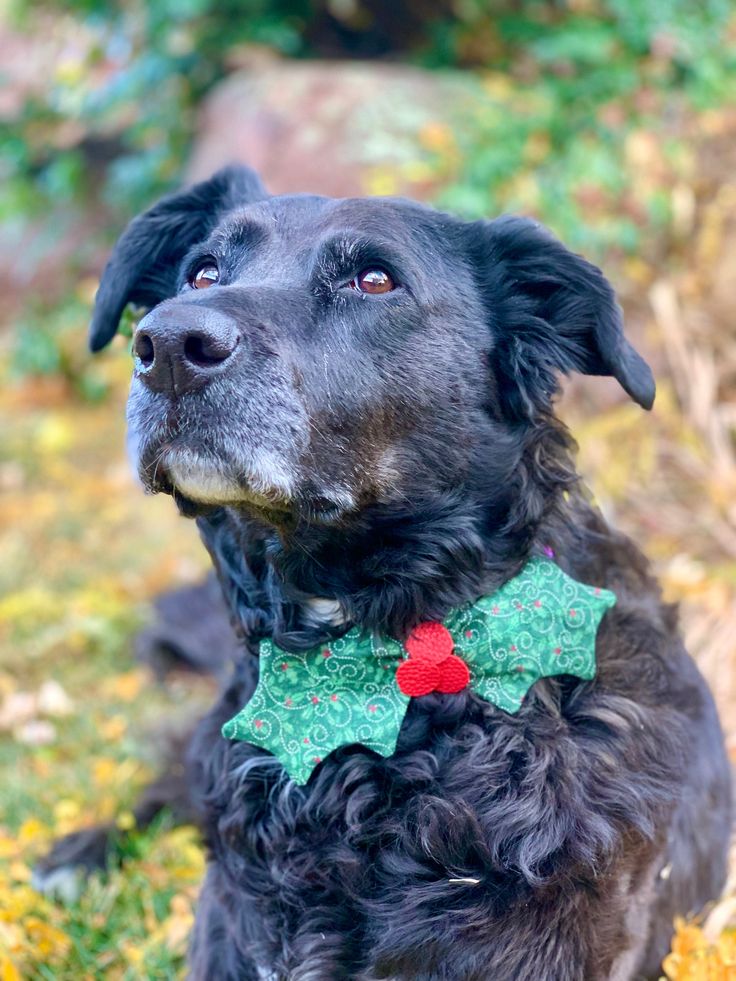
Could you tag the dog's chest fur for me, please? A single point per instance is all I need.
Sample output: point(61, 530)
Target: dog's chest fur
point(385, 867)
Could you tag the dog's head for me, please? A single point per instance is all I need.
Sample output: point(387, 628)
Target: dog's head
point(306, 357)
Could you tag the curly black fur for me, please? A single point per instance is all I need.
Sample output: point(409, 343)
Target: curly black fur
point(555, 844)
point(554, 824)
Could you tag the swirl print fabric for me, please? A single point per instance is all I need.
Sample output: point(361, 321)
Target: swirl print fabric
point(538, 624)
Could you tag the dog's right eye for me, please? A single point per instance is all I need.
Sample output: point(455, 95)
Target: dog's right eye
point(372, 281)
point(205, 277)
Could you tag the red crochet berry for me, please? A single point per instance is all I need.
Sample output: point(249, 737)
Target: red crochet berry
point(431, 666)
point(430, 642)
point(454, 675)
point(417, 678)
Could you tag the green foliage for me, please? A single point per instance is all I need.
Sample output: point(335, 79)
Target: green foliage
point(570, 83)
point(109, 128)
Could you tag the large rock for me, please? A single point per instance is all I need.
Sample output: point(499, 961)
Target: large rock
point(338, 128)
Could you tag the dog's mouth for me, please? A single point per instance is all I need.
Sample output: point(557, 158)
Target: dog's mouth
point(208, 456)
point(201, 478)
point(199, 481)
point(225, 447)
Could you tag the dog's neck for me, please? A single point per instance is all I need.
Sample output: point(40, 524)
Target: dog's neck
point(391, 567)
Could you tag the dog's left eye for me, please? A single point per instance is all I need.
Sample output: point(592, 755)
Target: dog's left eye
point(372, 281)
point(205, 277)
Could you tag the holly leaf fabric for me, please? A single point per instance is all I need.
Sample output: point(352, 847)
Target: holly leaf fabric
point(309, 703)
point(539, 624)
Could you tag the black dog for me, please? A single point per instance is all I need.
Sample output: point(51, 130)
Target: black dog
point(354, 399)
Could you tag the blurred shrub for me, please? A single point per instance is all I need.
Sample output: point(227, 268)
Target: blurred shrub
point(101, 130)
point(565, 91)
point(585, 100)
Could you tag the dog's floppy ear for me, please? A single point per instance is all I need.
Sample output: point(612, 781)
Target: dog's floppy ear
point(145, 262)
point(550, 311)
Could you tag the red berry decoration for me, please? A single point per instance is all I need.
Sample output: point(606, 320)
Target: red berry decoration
point(431, 665)
point(454, 675)
point(417, 678)
point(430, 642)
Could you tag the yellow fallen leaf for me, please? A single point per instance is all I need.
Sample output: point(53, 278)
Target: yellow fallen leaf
point(8, 970)
point(12, 937)
point(133, 953)
point(104, 770)
point(694, 958)
point(8, 684)
point(28, 606)
point(125, 687)
point(20, 871)
point(32, 832)
point(19, 902)
point(66, 809)
point(48, 941)
point(113, 728)
point(125, 821)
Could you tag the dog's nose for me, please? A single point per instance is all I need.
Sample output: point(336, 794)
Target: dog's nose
point(180, 350)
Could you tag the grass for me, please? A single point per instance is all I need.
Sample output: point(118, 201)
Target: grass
point(80, 552)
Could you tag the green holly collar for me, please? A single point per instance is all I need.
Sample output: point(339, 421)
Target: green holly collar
point(356, 689)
